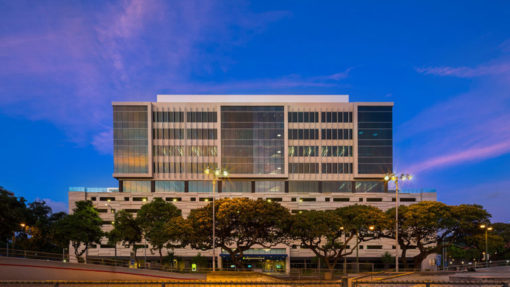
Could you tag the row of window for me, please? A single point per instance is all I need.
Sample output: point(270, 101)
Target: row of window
point(180, 167)
point(326, 134)
point(312, 151)
point(203, 134)
point(327, 168)
point(195, 151)
point(270, 199)
point(255, 186)
point(178, 117)
point(303, 117)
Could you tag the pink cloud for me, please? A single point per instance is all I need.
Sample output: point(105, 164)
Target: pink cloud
point(471, 154)
point(466, 72)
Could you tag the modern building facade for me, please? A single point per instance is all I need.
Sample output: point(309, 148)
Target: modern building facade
point(306, 152)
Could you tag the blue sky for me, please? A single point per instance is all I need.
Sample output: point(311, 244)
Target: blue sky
point(446, 65)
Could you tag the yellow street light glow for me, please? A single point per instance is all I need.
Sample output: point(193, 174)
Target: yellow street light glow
point(217, 172)
point(108, 200)
point(269, 200)
point(113, 222)
point(144, 199)
point(482, 226)
point(410, 177)
point(393, 177)
point(174, 200)
point(489, 228)
point(300, 200)
point(22, 224)
point(341, 228)
point(207, 171)
point(371, 227)
point(225, 173)
point(386, 178)
point(206, 199)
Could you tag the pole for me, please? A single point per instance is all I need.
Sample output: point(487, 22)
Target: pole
point(214, 227)
point(345, 256)
point(396, 226)
point(357, 251)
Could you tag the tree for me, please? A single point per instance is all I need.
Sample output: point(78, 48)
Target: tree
point(83, 227)
point(12, 214)
point(36, 233)
point(125, 230)
point(334, 234)
point(405, 236)
point(241, 223)
point(322, 232)
point(431, 225)
point(153, 219)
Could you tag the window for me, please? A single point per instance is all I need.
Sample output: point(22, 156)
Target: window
point(167, 134)
point(307, 151)
point(307, 199)
point(236, 186)
point(302, 134)
point(173, 199)
point(126, 198)
point(169, 167)
point(269, 186)
point(340, 199)
point(374, 199)
point(336, 117)
point(303, 117)
point(277, 199)
point(202, 117)
point(101, 210)
point(199, 151)
point(144, 199)
point(200, 186)
point(130, 139)
point(107, 199)
point(202, 134)
point(336, 151)
point(136, 186)
point(406, 199)
point(301, 167)
point(303, 186)
point(374, 246)
point(172, 150)
point(375, 139)
point(199, 167)
point(336, 134)
point(169, 186)
point(193, 199)
point(168, 117)
point(336, 186)
point(369, 186)
point(131, 210)
point(206, 199)
point(336, 168)
point(93, 198)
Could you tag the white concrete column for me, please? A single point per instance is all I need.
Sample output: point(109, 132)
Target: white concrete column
point(287, 260)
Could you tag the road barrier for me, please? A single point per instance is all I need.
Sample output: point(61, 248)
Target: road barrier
point(427, 284)
point(165, 284)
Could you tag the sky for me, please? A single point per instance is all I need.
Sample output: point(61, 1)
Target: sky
point(445, 65)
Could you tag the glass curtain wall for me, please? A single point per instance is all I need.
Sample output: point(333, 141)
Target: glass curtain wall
point(252, 139)
point(375, 134)
point(130, 140)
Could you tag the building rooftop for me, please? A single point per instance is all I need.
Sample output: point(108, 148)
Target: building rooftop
point(253, 98)
point(93, 189)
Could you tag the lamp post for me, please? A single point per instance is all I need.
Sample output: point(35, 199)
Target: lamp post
point(395, 178)
point(487, 229)
point(214, 174)
point(113, 222)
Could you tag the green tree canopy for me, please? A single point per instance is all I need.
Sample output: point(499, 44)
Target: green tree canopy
point(241, 223)
point(153, 218)
point(125, 230)
point(12, 214)
point(82, 227)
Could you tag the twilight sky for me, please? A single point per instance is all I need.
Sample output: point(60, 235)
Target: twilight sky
point(446, 65)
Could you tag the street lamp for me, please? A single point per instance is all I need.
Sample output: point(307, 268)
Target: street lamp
point(487, 229)
point(214, 174)
point(395, 178)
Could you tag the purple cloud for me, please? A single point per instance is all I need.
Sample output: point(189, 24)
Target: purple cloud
point(469, 127)
point(82, 58)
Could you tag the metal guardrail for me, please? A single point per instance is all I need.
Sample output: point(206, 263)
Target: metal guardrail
point(166, 284)
point(426, 283)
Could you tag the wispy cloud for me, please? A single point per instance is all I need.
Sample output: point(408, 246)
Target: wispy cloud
point(467, 72)
point(469, 127)
point(66, 62)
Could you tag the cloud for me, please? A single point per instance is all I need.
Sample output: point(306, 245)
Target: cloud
point(66, 62)
point(467, 72)
point(469, 127)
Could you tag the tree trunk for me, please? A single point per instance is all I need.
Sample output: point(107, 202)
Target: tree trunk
point(160, 257)
point(404, 259)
